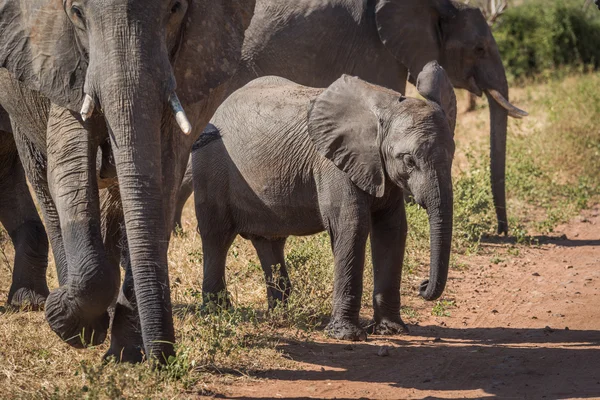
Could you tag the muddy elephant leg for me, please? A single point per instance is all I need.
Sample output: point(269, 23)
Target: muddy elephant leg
point(348, 232)
point(388, 242)
point(77, 311)
point(271, 254)
point(35, 165)
point(20, 218)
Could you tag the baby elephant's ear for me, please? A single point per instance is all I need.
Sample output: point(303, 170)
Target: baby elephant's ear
point(433, 84)
point(343, 123)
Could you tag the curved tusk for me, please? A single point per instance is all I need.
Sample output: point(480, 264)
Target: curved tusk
point(180, 117)
point(512, 110)
point(88, 108)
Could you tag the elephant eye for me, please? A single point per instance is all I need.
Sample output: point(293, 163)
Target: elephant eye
point(409, 162)
point(77, 12)
point(479, 51)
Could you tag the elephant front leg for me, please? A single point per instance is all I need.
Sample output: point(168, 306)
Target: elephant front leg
point(348, 232)
point(22, 222)
point(388, 242)
point(77, 311)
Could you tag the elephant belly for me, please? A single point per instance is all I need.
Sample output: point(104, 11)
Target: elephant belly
point(273, 212)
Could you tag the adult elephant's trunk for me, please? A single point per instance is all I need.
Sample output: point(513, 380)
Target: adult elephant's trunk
point(498, 126)
point(134, 90)
point(439, 204)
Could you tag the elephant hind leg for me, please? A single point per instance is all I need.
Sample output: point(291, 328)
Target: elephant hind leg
point(272, 260)
point(214, 287)
point(20, 218)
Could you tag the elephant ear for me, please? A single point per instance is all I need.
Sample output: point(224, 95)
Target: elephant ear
point(434, 84)
point(38, 46)
point(409, 29)
point(212, 45)
point(343, 123)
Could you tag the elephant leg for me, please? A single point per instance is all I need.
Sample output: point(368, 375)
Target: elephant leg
point(35, 165)
point(348, 232)
point(185, 191)
point(214, 286)
point(215, 246)
point(20, 218)
point(271, 254)
point(388, 241)
point(77, 311)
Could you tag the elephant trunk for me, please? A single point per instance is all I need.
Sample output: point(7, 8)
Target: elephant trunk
point(498, 126)
point(134, 90)
point(439, 204)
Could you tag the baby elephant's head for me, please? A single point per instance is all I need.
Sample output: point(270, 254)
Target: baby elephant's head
point(379, 137)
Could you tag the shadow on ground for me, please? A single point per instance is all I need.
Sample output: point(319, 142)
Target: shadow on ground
point(559, 240)
point(503, 362)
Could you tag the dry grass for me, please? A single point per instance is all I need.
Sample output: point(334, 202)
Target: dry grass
point(554, 147)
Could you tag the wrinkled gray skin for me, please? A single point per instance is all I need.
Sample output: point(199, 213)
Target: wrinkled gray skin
point(20, 219)
point(343, 168)
point(314, 42)
point(127, 55)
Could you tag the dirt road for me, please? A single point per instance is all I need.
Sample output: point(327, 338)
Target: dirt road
point(526, 326)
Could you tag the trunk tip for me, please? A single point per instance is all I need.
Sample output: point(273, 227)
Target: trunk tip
point(428, 291)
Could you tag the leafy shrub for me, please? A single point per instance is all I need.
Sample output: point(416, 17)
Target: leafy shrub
point(538, 36)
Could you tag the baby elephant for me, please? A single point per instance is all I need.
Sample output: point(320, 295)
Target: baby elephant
point(280, 159)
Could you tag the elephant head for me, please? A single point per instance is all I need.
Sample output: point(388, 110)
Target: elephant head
point(378, 137)
point(124, 58)
point(458, 36)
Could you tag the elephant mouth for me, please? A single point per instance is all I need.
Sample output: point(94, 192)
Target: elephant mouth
point(473, 87)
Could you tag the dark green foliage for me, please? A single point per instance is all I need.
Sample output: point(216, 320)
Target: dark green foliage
point(538, 36)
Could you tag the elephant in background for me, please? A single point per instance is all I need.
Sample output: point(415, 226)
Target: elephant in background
point(78, 75)
point(342, 168)
point(314, 42)
point(20, 219)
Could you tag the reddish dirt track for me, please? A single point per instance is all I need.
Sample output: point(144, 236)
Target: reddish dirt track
point(528, 327)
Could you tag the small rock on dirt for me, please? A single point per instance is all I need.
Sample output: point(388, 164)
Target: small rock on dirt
point(535, 274)
point(548, 329)
point(383, 351)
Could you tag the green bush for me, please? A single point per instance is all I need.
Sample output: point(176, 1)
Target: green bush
point(538, 36)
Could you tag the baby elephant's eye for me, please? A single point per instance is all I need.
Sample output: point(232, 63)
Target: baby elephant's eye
point(409, 162)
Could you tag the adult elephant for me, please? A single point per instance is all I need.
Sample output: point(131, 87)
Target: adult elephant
point(121, 58)
point(20, 218)
point(314, 42)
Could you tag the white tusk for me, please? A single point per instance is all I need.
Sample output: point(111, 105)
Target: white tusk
point(180, 117)
point(88, 108)
point(512, 110)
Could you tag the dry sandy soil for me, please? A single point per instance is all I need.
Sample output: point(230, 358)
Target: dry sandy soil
point(526, 327)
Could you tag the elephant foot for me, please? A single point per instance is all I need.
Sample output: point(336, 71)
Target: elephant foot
point(277, 297)
point(342, 329)
point(131, 355)
point(392, 326)
point(27, 299)
point(71, 324)
point(126, 343)
point(213, 303)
